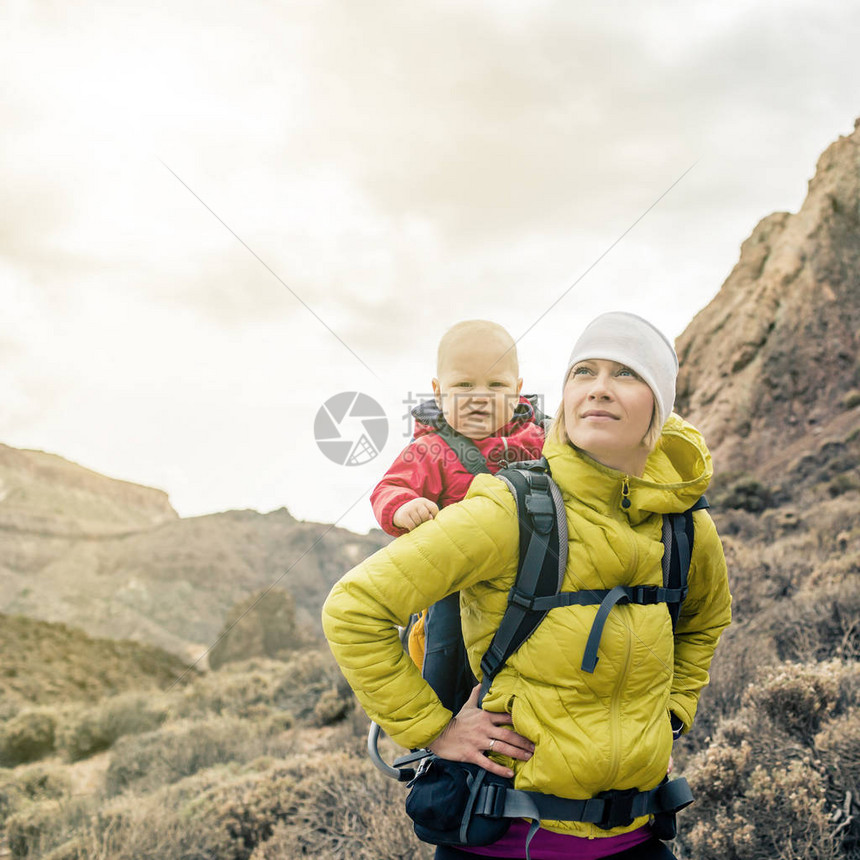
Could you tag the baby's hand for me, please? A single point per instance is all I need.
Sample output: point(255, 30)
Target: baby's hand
point(414, 512)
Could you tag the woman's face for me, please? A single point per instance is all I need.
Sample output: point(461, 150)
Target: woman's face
point(607, 412)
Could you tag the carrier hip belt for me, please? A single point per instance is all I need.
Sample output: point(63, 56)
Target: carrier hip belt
point(607, 810)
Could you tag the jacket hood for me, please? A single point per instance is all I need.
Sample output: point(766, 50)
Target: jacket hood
point(429, 418)
point(677, 473)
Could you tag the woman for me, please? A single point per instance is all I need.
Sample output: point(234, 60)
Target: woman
point(621, 460)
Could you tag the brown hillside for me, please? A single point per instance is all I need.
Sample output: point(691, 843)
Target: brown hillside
point(115, 560)
point(49, 663)
point(773, 360)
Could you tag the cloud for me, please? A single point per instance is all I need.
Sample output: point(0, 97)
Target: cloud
point(399, 166)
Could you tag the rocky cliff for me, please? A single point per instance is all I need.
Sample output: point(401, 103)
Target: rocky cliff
point(770, 372)
point(769, 369)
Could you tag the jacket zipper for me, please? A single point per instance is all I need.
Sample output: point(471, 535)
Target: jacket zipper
point(615, 714)
point(615, 701)
point(625, 492)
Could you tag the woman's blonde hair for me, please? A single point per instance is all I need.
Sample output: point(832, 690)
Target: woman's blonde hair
point(558, 429)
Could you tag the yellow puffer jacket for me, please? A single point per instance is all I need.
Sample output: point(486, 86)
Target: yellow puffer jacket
point(593, 732)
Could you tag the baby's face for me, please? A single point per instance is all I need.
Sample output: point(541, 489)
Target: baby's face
point(478, 386)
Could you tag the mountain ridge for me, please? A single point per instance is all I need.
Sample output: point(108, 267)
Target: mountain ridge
point(44, 493)
point(115, 560)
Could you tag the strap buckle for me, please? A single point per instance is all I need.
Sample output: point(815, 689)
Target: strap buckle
point(646, 595)
point(540, 508)
point(617, 808)
point(492, 804)
point(540, 465)
point(518, 597)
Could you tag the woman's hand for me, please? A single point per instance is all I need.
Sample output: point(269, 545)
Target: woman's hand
point(474, 732)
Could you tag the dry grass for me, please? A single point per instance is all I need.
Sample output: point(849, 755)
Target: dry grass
point(208, 771)
point(288, 808)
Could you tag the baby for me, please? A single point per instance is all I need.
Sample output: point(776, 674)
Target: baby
point(477, 422)
point(477, 395)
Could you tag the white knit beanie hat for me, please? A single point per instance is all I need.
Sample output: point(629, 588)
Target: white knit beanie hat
point(634, 342)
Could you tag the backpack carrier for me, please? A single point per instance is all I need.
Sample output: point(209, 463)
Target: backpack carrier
point(442, 655)
point(536, 591)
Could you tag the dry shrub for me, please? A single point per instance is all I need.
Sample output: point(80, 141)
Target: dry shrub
point(783, 815)
point(844, 483)
point(838, 745)
point(761, 580)
point(91, 730)
point(240, 690)
point(44, 782)
point(794, 795)
point(743, 492)
point(723, 838)
point(258, 688)
point(11, 798)
point(819, 623)
point(742, 654)
point(721, 771)
point(178, 750)
point(734, 522)
point(156, 826)
point(332, 707)
point(841, 567)
point(767, 785)
point(28, 736)
point(42, 826)
point(11, 704)
point(23, 786)
point(797, 697)
point(74, 849)
point(310, 676)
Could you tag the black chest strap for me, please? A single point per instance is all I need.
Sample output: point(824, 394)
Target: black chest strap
point(640, 595)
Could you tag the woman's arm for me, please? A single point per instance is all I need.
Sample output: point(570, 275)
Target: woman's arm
point(469, 542)
point(704, 615)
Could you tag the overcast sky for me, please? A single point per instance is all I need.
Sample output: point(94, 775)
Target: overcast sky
point(214, 217)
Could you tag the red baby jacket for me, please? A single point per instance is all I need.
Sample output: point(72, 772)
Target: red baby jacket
point(428, 468)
